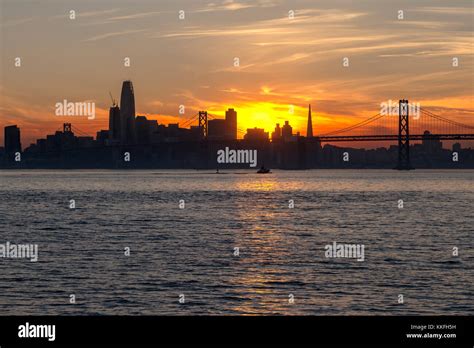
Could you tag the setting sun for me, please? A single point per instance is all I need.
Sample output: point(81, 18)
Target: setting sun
point(266, 115)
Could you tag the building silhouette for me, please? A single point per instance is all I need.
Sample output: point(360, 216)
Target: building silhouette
point(102, 137)
point(115, 127)
point(217, 129)
point(431, 143)
point(276, 134)
point(231, 124)
point(309, 129)
point(145, 129)
point(12, 140)
point(127, 114)
point(256, 134)
point(223, 129)
point(286, 131)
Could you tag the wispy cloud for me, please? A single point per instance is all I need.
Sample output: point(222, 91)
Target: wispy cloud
point(228, 32)
point(135, 16)
point(14, 22)
point(232, 5)
point(87, 14)
point(276, 27)
point(444, 10)
point(113, 34)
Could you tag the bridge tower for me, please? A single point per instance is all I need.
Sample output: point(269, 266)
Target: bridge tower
point(203, 123)
point(403, 136)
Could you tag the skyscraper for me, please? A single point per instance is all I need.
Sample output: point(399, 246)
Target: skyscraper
point(231, 124)
point(217, 130)
point(309, 129)
point(276, 135)
point(12, 139)
point(127, 114)
point(286, 131)
point(114, 123)
point(257, 134)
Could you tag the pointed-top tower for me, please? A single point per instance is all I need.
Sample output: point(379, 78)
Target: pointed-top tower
point(309, 129)
point(127, 114)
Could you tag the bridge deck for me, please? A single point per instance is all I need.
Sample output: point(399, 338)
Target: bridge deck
point(328, 139)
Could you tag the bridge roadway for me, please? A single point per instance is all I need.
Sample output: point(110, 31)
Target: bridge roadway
point(331, 139)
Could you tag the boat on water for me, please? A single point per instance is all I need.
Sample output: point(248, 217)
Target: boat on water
point(263, 170)
point(218, 172)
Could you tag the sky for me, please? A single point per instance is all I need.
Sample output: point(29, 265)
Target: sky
point(285, 61)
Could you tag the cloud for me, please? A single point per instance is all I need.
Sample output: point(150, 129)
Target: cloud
point(14, 22)
point(86, 14)
point(232, 5)
point(276, 27)
point(156, 103)
point(113, 34)
point(467, 11)
point(134, 16)
point(229, 32)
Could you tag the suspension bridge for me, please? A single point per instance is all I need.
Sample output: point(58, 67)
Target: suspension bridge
point(402, 128)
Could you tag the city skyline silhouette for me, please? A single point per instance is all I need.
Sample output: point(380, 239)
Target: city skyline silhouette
point(284, 148)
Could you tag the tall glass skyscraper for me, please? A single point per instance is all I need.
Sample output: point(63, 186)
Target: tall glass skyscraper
point(127, 114)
